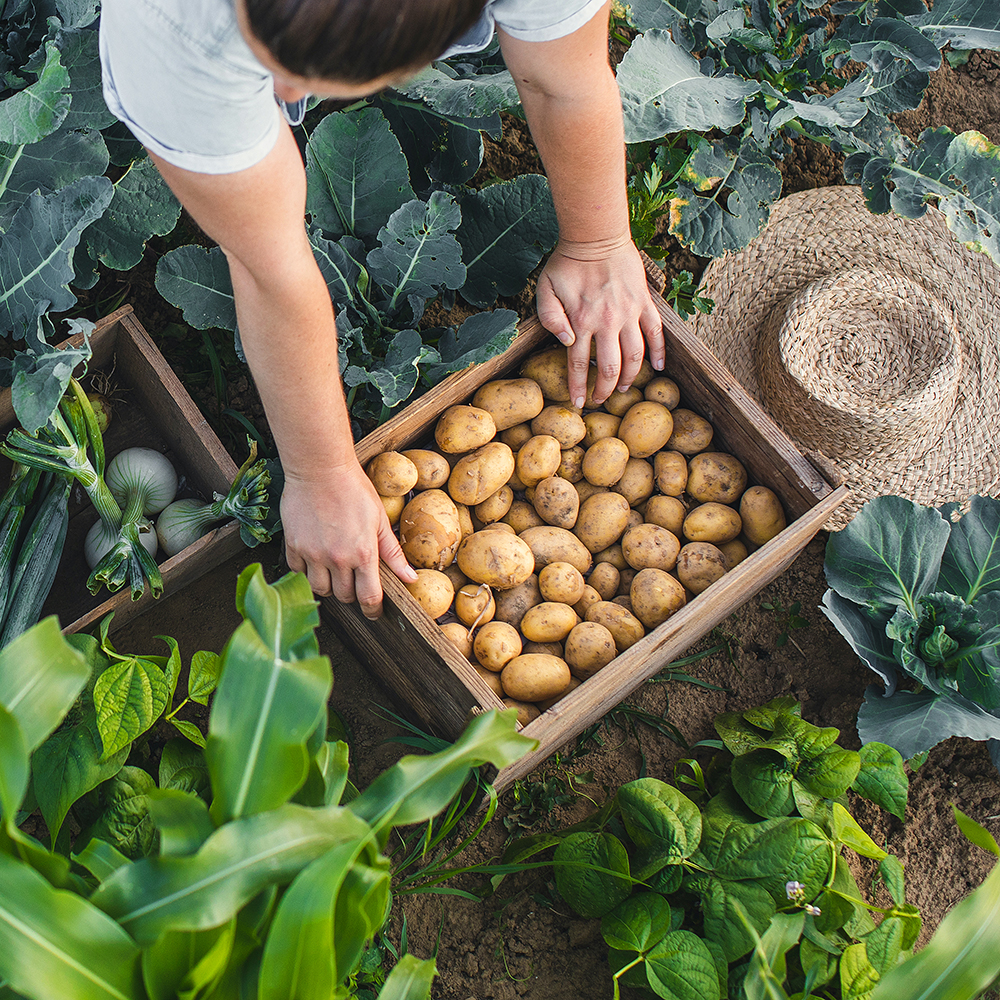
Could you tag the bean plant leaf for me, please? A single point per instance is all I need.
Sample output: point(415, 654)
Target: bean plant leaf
point(882, 778)
point(125, 822)
point(505, 229)
point(142, 206)
point(197, 281)
point(637, 923)
point(203, 675)
point(971, 560)
point(663, 824)
point(356, 174)
point(456, 96)
point(858, 977)
point(481, 337)
point(964, 24)
point(129, 697)
point(680, 967)
point(720, 899)
point(763, 778)
point(663, 90)
point(396, 377)
point(183, 767)
point(592, 872)
point(36, 262)
point(56, 944)
point(699, 218)
point(39, 109)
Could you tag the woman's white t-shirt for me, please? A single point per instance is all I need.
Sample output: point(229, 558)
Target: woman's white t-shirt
point(179, 74)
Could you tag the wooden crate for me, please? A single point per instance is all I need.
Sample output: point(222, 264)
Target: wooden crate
point(410, 655)
point(151, 409)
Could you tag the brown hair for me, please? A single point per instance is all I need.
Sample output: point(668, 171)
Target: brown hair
point(358, 40)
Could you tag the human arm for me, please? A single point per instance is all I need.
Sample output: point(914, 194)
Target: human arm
point(594, 284)
point(335, 526)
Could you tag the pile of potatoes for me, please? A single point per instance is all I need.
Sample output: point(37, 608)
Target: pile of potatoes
point(549, 538)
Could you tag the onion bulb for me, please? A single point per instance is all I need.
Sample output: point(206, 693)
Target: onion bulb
point(184, 522)
point(99, 541)
point(141, 476)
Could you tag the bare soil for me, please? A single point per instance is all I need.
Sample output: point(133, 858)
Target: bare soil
point(523, 942)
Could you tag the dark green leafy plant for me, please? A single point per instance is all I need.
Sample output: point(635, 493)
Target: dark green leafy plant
point(917, 595)
point(251, 876)
point(686, 885)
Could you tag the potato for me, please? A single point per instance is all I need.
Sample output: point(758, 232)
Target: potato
point(556, 502)
point(763, 516)
point(734, 551)
point(623, 601)
point(512, 604)
point(604, 579)
point(549, 621)
point(691, 433)
point(590, 596)
point(548, 369)
point(662, 390)
point(393, 508)
point(509, 401)
point(712, 522)
point(498, 526)
point(716, 476)
point(604, 461)
point(464, 428)
point(589, 647)
point(670, 469)
point(644, 375)
point(649, 545)
point(474, 604)
point(559, 581)
point(458, 635)
point(457, 577)
point(619, 403)
point(550, 544)
point(601, 520)
point(496, 644)
point(481, 473)
point(699, 565)
point(655, 595)
point(465, 519)
point(495, 505)
point(495, 558)
point(634, 518)
point(562, 423)
point(646, 428)
point(585, 489)
point(549, 648)
point(538, 459)
point(490, 679)
point(547, 703)
point(432, 469)
point(522, 515)
point(620, 622)
point(516, 436)
point(526, 711)
point(636, 483)
point(571, 464)
point(430, 530)
point(433, 591)
point(534, 676)
point(612, 554)
point(599, 425)
point(625, 578)
point(392, 474)
point(667, 512)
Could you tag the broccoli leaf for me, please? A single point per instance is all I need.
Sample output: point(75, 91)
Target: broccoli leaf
point(197, 281)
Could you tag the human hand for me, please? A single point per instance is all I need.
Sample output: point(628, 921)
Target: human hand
point(606, 300)
point(336, 530)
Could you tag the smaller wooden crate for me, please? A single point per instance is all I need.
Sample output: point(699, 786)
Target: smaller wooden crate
point(151, 409)
point(411, 656)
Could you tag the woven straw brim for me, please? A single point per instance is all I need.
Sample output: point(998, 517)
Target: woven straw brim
point(872, 339)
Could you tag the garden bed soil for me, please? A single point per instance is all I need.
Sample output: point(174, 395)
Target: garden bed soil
point(523, 942)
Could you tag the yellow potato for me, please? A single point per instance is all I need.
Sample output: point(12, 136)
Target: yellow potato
point(571, 464)
point(549, 648)
point(513, 603)
point(498, 526)
point(550, 544)
point(619, 403)
point(495, 505)
point(559, 581)
point(716, 476)
point(433, 591)
point(625, 579)
point(464, 428)
point(599, 425)
point(654, 596)
point(432, 469)
point(634, 518)
point(636, 483)
point(457, 577)
point(481, 473)
point(762, 513)
point(604, 579)
point(534, 676)
point(712, 522)
point(561, 422)
point(556, 502)
point(496, 644)
point(604, 461)
point(522, 515)
point(589, 647)
point(393, 508)
point(547, 703)
point(590, 596)
point(612, 554)
point(490, 679)
point(392, 474)
point(620, 622)
point(526, 711)
point(586, 489)
point(465, 519)
point(495, 558)
point(548, 369)
point(646, 428)
point(538, 459)
point(734, 551)
point(509, 401)
point(667, 512)
point(663, 390)
point(474, 604)
point(691, 433)
point(649, 545)
point(548, 622)
point(601, 520)
point(430, 530)
point(516, 436)
point(670, 469)
point(644, 375)
point(699, 565)
point(458, 635)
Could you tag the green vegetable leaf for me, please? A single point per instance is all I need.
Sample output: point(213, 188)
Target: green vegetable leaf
point(858, 977)
point(505, 229)
point(970, 564)
point(397, 375)
point(830, 773)
point(55, 944)
point(185, 965)
point(965, 24)
point(203, 675)
point(340, 265)
point(190, 731)
point(125, 822)
point(129, 696)
point(769, 958)
point(39, 109)
point(720, 901)
point(663, 91)
point(882, 778)
point(763, 778)
point(848, 832)
point(637, 923)
point(48, 165)
point(183, 767)
point(197, 281)
point(869, 42)
point(456, 96)
point(481, 337)
point(80, 56)
point(100, 859)
point(681, 967)
point(891, 870)
point(356, 174)
point(411, 979)
point(182, 821)
point(865, 635)
point(14, 769)
point(592, 872)
point(664, 825)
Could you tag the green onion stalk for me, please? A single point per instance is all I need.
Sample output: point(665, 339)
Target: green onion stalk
point(71, 446)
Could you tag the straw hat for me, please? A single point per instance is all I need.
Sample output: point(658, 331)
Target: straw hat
point(872, 339)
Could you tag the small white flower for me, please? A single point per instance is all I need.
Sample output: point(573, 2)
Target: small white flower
point(794, 890)
point(813, 911)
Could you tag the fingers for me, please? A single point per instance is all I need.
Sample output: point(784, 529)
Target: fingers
point(551, 313)
point(652, 330)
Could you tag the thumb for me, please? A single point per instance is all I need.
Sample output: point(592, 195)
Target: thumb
point(551, 313)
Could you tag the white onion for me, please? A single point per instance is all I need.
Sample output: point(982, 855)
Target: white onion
point(142, 471)
point(98, 541)
point(183, 522)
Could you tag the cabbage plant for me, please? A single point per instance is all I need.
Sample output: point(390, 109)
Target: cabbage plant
point(916, 592)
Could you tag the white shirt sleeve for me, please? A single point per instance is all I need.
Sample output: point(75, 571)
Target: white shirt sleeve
point(543, 20)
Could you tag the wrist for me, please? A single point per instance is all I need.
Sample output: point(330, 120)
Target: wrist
point(593, 250)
